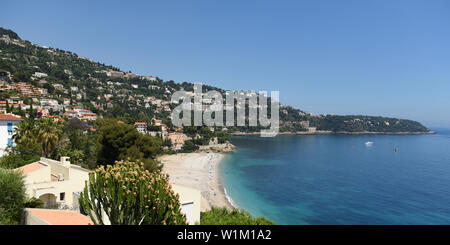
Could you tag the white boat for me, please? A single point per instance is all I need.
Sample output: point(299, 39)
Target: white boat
point(369, 143)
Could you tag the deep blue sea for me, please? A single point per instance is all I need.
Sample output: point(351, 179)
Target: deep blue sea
point(337, 179)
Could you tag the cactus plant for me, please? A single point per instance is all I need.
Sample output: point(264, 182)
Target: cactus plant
point(130, 195)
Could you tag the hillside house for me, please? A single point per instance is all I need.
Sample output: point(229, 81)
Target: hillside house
point(55, 183)
point(8, 124)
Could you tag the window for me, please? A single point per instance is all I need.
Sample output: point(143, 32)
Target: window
point(10, 127)
point(61, 196)
point(10, 142)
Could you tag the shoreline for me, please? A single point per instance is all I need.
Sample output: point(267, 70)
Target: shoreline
point(334, 133)
point(198, 170)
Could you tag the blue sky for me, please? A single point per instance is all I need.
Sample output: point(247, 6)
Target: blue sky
point(389, 58)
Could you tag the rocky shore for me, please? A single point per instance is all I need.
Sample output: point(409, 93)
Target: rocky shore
point(218, 148)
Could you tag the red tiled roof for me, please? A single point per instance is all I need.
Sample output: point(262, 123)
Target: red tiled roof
point(60, 217)
point(139, 123)
point(9, 117)
point(31, 167)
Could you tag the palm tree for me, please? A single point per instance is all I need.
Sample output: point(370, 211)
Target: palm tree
point(49, 133)
point(25, 133)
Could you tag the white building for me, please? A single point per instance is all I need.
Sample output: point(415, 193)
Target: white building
point(7, 126)
point(112, 73)
point(149, 78)
point(58, 184)
point(131, 75)
point(58, 86)
point(55, 183)
point(40, 74)
point(51, 103)
point(141, 127)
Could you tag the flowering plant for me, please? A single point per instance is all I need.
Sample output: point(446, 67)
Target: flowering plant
point(130, 195)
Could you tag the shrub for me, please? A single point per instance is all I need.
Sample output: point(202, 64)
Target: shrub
point(33, 203)
point(130, 195)
point(189, 146)
point(17, 157)
point(12, 196)
point(122, 141)
point(224, 216)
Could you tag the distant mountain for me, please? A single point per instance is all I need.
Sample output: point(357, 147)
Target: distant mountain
point(110, 92)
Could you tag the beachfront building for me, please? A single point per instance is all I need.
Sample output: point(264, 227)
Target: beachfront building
point(177, 140)
point(55, 183)
point(8, 124)
point(141, 127)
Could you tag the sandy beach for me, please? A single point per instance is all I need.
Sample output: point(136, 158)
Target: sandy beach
point(199, 171)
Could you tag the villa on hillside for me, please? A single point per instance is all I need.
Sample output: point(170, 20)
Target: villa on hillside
point(3, 106)
point(55, 183)
point(89, 116)
point(141, 127)
point(149, 78)
point(8, 124)
point(58, 184)
point(80, 113)
point(157, 122)
point(177, 140)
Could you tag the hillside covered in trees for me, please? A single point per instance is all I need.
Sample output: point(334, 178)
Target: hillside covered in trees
point(109, 92)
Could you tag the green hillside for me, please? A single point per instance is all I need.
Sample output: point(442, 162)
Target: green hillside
point(65, 75)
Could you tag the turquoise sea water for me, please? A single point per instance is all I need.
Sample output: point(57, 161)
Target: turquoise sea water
point(337, 179)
